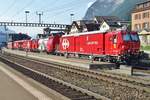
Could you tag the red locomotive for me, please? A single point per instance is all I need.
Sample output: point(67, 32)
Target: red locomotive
point(110, 46)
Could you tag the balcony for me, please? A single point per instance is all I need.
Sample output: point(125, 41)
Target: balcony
point(141, 9)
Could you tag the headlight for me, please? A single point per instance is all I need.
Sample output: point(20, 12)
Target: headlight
point(123, 46)
point(129, 50)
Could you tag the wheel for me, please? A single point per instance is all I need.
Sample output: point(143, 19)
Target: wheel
point(77, 55)
point(66, 55)
point(47, 52)
point(117, 65)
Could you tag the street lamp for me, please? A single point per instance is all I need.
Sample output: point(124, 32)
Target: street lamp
point(27, 12)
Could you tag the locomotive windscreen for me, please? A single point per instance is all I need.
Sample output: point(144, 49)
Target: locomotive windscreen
point(134, 37)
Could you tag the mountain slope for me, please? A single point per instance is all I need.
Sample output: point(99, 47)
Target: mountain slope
point(4, 31)
point(120, 8)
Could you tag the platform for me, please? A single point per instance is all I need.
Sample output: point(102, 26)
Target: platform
point(70, 61)
point(128, 71)
point(15, 86)
point(124, 69)
point(10, 90)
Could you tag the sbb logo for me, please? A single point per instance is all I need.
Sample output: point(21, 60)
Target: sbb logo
point(65, 44)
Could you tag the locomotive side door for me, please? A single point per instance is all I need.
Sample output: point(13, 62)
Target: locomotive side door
point(114, 44)
point(111, 40)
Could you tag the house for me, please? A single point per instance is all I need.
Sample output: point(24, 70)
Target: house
point(141, 21)
point(109, 23)
point(83, 26)
point(101, 23)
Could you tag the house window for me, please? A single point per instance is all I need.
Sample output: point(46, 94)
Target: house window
point(145, 5)
point(137, 27)
point(104, 26)
point(73, 26)
point(140, 27)
point(148, 4)
point(137, 16)
point(146, 25)
point(141, 6)
point(146, 15)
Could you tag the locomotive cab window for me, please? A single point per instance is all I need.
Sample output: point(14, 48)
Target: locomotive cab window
point(126, 37)
point(134, 37)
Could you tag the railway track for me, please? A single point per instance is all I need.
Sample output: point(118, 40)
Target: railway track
point(68, 90)
point(90, 73)
point(112, 87)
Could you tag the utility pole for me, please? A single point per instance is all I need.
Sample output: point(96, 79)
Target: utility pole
point(27, 12)
point(7, 34)
point(92, 13)
point(40, 15)
point(71, 15)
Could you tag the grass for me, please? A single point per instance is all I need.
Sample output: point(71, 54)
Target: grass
point(147, 48)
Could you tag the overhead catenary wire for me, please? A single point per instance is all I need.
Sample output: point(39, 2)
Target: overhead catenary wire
point(53, 3)
point(63, 6)
point(65, 10)
point(53, 9)
point(56, 8)
point(23, 8)
point(8, 8)
point(29, 4)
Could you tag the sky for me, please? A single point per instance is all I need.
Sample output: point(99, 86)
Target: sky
point(54, 11)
